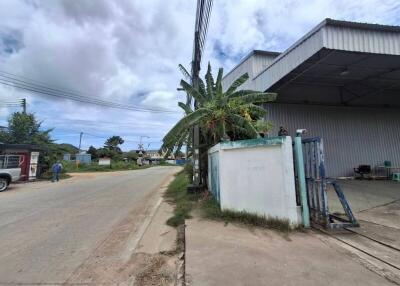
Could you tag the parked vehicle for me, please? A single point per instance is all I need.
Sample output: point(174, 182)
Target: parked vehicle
point(10, 170)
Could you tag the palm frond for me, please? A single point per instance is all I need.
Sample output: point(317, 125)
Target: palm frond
point(185, 107)
point(240, 93)
point(185, 73)
point(258, 97)
point(186, 122)
point(243, 123)
point(180, 142)
point(193, 92)
point(209, 82)
point(257, 110)
point(202, 88)
point(218, 83)
point(237, 83)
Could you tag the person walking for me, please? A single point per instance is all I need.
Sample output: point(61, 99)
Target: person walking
point(56, 169)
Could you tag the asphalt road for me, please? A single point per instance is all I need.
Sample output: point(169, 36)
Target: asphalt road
point(53, 233)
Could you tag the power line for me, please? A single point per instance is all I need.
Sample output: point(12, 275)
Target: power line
point(39, 82)
point(126, 124)
point(82, 99)
point(30, 85)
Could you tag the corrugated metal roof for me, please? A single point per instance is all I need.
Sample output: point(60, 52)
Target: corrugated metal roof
point(329, 34)
point(359, 25)
point(252, 64)
point(251, 54)
point(31, 147)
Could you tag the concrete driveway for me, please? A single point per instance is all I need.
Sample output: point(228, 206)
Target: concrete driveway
point(77, 230)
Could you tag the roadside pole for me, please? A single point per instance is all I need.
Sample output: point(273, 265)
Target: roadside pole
point(80, 142)
point(23, 104)
point(301, 177)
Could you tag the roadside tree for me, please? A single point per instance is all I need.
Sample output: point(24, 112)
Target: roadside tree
point(221, 115)
point(113, 143)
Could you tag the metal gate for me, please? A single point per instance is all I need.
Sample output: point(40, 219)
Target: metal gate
point(316, 185)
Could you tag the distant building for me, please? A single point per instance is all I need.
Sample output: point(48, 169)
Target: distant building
point(153, 154)
point(104, 161)
point(82, 158)
point(29, 158)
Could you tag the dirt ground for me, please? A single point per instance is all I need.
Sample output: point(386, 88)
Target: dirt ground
point(153, 257)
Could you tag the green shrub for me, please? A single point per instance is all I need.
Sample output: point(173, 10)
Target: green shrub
point(211, 210)
point(184, 202)
point(95, 167)
point(188, 169)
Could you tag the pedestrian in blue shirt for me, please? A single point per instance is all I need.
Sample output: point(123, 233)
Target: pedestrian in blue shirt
point(56, 169)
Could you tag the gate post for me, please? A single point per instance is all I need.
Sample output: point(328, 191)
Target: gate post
point(298, 150)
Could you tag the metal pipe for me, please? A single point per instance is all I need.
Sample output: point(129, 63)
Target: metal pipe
point(298, 150)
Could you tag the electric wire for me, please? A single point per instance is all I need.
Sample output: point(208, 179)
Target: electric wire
point(15, 81)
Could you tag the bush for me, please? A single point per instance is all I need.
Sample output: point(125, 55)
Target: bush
point(95, 167)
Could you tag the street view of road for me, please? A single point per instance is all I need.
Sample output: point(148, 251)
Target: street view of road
point(79, 229)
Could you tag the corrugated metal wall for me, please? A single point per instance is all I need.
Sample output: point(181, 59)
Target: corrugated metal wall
point(261, 62)
point(245, 67)
point(352, 136)
point(253, 66)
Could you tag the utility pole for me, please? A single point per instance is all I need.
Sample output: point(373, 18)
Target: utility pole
point(200, 31)
point(23, 104)
point(141, 148)
point(80, 142)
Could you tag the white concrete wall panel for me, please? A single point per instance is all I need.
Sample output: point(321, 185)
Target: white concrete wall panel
point(258, 179)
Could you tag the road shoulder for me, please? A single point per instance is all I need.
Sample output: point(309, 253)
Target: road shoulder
point(139, 250)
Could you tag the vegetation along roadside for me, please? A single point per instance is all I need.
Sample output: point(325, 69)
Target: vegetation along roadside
point(207, 207)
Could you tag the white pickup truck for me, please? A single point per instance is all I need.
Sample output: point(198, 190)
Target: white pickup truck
point(10, 170)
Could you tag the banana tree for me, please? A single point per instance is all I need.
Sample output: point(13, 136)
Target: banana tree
point(221, 115)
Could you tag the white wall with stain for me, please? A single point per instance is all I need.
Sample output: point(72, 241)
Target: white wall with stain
point(257, 176)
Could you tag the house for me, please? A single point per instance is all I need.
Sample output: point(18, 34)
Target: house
point(82, 158)
point(153, 154)
point(29, 158)
point(341, 82)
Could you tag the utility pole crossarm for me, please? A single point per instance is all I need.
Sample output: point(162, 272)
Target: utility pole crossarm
point(23, 105)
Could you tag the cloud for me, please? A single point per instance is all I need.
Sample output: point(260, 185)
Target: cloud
point(276, 24)
point(127, 51)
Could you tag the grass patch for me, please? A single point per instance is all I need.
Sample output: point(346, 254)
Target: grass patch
point(210, 209)
point(183, 201)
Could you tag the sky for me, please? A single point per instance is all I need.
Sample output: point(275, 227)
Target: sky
point(128, 51)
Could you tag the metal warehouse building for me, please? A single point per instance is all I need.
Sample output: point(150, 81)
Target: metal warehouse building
point(341, 82)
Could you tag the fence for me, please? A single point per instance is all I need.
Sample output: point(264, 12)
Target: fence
point(256, 176)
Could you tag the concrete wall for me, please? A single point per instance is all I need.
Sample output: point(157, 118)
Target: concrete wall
point(352, 135)
point(256, 176)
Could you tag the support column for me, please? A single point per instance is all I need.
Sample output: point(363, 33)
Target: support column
point(301, 177)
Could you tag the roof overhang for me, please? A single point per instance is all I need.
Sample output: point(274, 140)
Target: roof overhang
point(18, 147)
point(338, 62)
